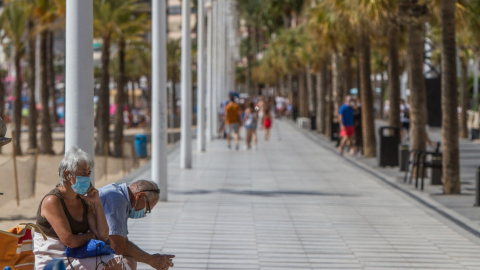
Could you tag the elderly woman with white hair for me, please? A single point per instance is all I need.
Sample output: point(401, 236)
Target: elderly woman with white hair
point(71, 215)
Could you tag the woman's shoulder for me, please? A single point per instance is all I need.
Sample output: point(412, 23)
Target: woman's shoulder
point(51, 200)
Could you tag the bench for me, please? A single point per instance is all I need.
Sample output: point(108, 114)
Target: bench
point(421, 160)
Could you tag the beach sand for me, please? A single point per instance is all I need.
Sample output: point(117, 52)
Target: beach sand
point(31, 194)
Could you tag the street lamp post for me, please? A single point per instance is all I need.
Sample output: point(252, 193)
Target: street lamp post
point(79, 129)
point(186, 84)
point(159, 97)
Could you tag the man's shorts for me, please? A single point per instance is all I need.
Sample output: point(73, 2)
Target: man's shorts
point(232, 128)
point(348, 131)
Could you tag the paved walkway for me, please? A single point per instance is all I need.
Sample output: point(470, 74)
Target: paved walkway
point(294, 204)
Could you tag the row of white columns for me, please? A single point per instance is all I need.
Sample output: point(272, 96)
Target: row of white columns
point(216, 77)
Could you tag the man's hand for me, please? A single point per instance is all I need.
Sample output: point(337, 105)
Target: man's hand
point(161, 261)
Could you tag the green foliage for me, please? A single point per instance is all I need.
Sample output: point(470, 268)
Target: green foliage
point(14, 24)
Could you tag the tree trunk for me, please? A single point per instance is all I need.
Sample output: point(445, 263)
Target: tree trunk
point(51, 74)
point(2, 98)
point(149, 91)
point(174, 104)
point(329, 111)
point(393, 76)
point(418, 95)
point(450, 162)
point(368, 124)
point(321, 96)
point(290, 88)
point(32, 108)
point(381, 98)
point(46, 141)
point(248, 75)
point(118, 133)
point(302, 96)
point(17, 105)
point(310, 93)
point(348, 72)
point(464, 95)
point(103, 110)
point(336, 83)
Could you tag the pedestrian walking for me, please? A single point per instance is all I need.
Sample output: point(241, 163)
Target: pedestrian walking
point(345, 120)
point(232, 122)
point(267, 123)
point(250, 123)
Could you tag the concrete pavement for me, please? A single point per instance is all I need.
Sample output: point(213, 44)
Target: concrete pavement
point(295, 204)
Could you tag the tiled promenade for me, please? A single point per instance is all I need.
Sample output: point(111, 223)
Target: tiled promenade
point(293, 204)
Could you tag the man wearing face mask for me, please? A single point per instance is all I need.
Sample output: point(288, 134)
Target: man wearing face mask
point(121, 202)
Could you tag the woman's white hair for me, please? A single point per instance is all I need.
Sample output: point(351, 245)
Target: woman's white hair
point(70, 161)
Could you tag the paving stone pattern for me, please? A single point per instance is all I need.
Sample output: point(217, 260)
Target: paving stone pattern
point(293, 204)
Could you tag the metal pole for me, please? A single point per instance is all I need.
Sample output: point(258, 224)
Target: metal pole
point(209, 131)
point(159, 97)
point(186, 84)
point(201, 77)
point(79, 129)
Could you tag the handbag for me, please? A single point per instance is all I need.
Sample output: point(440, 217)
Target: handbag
point(92, 248)
point(17, 247)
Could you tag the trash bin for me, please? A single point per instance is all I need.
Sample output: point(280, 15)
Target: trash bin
point(475, 134)
point(402, 156)
point(388, 152)
point(313, 122)
point(141, 145)
point(436, 169)
point(334, 131)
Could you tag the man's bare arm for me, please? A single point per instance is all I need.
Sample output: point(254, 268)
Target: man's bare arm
point(124, 247)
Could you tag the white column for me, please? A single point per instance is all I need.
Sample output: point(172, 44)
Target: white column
point(223, 52)
point(79, 130)
point(215, 75)
point(220, 50)
point(201, 77)
point(159, 97)
point(186, 84)
point(209, 131)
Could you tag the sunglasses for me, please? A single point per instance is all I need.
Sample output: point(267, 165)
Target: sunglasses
point(149, 210)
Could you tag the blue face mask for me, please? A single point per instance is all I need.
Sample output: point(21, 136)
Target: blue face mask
point(81, 185)
point(137, 213)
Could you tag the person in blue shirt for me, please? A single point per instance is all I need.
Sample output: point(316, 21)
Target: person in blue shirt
point(345, 120)
point(121, 202)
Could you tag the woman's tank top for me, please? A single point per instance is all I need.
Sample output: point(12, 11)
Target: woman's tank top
point(77, 227)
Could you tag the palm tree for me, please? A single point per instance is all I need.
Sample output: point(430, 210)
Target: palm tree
point(451, 164)
point(330, 24)
point(128, 30)
point(45, 15)
point(13, 21)
point(108, 15)
point(173, 73)
point(414, 14)
point(32, 108)
point(250, 11)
